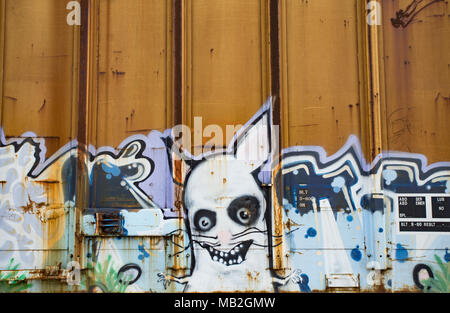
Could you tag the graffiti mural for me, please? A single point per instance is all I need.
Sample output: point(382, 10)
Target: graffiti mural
point(347, 222)
point(106, 277)
point(32, 209)
point(227, 216)
point(355, 213)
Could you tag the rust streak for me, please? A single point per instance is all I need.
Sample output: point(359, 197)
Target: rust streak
point(42, 106)
point(11, 98)
point(304, 125)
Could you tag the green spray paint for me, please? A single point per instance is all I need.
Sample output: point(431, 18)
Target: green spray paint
point(440, 283)
point(106, 277)
point(13, 280)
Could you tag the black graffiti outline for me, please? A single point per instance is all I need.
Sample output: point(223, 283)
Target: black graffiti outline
point(416, 272)
point(44, 163)
point(37, 151)
point(405, 17)
point(138, 155)
point(127, 267)
point(424, 171)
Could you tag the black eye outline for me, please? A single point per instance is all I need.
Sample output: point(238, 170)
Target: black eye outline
point(202, 215)
point(244, 210)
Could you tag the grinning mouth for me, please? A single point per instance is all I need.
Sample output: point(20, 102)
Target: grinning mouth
point(233, 257)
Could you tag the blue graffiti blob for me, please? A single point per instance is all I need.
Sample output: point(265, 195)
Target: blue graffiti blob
point(401, 254)
point(143, 254)
point(111, 170)
point(356, 254)
point(303, 283)
point(311, 232)
point(447, 256)
point(337, 184)
point(380, 230)
point(389, 176)
point(389, 282)
point(350, 218)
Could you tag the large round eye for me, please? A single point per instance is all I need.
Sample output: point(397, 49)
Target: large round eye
point(244, 210)
point(204, 220)
point(243, 215)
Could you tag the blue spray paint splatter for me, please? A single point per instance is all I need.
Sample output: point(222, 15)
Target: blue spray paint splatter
point(349, 218)
point(144, 254)
point(356, 254)
point(337, 184)
point(389, 176)
point(401, 254)
point(311, 232)
point(447, 256)
point(111, 170)
point(380, 230)
point(303, 284)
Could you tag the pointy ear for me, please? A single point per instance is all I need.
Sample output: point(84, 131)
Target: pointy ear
point(180, 161)
point(253, 144)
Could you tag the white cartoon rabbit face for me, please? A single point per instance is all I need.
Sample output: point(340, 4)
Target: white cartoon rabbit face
point(225, 209)
point(225, 204)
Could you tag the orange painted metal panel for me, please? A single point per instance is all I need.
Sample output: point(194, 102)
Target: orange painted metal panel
point(37, 73)
point(226, 64)
point(417, 78)
point(133, 72)
point(321, 73)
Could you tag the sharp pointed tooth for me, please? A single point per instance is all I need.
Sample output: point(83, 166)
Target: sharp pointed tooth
point(221, 260)
point(221, 253)
point(241, 246)
point(239, 259)
point(236, 249)
point(232, 252)
point(215, 258)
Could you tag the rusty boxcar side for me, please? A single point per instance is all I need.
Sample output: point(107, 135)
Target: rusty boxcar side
point(357, 186)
